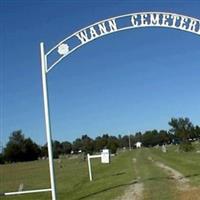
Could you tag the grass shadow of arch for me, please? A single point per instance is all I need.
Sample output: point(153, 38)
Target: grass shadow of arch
point(107, 189)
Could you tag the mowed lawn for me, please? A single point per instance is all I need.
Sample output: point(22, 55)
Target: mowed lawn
point(110, 180)
point(72, 179)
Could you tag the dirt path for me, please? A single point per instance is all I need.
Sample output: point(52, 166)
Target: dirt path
point(181, 182)
point(135, 190)
point(187, 192)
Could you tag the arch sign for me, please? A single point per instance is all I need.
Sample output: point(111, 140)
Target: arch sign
point(88, 34)
point(120, 23)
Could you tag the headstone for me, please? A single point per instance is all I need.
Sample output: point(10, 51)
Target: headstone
point(60, 163)
point(21, 187)
point(164, 150)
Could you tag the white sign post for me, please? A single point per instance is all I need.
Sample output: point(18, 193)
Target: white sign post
point(47, 120)
point(89, 167)
point(89, 164)
point(105, 158)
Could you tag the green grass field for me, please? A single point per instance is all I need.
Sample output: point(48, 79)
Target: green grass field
point(110, 180)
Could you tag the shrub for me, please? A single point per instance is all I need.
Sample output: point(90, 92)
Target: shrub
point(186, 147)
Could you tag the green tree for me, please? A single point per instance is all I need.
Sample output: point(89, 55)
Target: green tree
point(197, 131)
point(120, 141)
point(101, 142)
point(66, 147)
point(164, 137)
point(2, 159)
point(150, 138)
point(31, 150)
point(181, 128)
point(44, 151)
point(57, 148)
point(19, 148)
point(113, 144)
point(14, 150)
point(98, 144)
point(77, 145)
point(125, 141)
point(87, 144)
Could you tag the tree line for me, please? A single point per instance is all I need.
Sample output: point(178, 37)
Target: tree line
point(19, 148)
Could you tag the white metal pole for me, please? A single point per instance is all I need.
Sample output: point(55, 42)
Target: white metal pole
point(26, 192)
point(129, 142)
point(47, 120)
point(89, 167)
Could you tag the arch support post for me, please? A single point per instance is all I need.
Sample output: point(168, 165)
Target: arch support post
point(47, 120)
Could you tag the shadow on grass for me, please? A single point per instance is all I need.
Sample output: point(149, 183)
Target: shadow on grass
point(192, 175)
point(107, 189)
point(134, 182)
point(118, 174)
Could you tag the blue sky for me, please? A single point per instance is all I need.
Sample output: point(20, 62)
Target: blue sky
point(129, 81)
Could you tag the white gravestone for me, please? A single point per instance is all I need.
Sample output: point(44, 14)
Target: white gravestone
point(164, 150)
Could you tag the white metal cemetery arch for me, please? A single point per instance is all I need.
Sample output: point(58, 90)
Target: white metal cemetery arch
point(92, 32)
